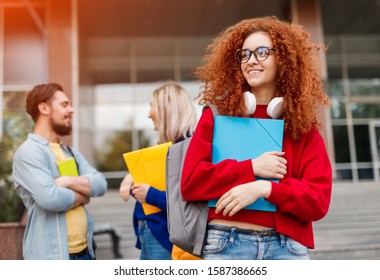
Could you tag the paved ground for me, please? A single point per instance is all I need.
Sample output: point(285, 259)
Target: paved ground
point(111, 210)
point(351, 229)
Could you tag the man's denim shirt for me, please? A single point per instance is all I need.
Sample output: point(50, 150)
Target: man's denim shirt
point(34, 171)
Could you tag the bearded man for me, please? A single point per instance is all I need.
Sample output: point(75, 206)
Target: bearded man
point(58, 226)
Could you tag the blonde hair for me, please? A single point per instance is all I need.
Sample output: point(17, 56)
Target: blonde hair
point(175, 112)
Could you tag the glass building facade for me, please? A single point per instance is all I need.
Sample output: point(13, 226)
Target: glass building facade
point(354, 89)
point(115, 70)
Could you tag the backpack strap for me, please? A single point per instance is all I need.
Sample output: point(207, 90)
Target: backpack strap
point(213, 108)
point(72, 154)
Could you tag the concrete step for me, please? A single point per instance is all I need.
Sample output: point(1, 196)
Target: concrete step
point(350, 231)
point(362, 252)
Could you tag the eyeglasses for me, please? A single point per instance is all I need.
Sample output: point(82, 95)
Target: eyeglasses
point(261, 54)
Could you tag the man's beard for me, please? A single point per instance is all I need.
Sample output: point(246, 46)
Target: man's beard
point(61, 130)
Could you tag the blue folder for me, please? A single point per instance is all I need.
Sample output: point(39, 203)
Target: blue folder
point(246, 138)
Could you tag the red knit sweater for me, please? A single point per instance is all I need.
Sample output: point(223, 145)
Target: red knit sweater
point(302, 197)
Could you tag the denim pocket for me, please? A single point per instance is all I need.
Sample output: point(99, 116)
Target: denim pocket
point(296, 248)
point(216, 241)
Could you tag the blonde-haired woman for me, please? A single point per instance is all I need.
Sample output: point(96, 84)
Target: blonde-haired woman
point(174, 118)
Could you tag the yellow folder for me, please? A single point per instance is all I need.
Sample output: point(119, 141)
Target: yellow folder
point(148, 165)
point(68, 167)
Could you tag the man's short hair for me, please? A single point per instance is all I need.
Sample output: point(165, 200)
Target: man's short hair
point(39, 94)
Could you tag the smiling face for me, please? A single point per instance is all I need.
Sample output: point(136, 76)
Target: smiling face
point(61, 114)
point(260, 75)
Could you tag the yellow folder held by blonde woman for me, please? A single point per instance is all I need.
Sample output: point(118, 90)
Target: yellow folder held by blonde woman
point(148, 165)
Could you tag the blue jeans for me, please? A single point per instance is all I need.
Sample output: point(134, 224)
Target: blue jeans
point(151, 249)
point(82, 256)
point(222, 245)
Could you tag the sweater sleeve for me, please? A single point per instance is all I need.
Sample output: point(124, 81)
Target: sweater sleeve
point(306, 191)
point(157, 198)
point(203, 180)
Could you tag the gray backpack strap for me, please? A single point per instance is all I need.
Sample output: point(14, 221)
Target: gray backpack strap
point(213, 108)
point(187, 220)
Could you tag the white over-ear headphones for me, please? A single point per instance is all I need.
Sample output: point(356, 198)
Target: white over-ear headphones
point(274, 109)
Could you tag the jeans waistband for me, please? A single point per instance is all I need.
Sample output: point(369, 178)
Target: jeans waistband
point(79, 254)
point(265, 232)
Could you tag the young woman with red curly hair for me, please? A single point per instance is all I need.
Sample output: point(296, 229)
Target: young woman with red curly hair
point(269, 58)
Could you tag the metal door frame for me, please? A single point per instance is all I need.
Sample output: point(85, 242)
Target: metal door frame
point(374, 148)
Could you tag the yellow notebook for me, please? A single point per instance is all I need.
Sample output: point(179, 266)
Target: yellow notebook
point(68, 167)
point(148, 165)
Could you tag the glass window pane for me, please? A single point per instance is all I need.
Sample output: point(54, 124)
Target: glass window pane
point(333, 56)
point(16, 122)
point(129, 105)
point(362, 144)
point(369, 70)
point(365, 87)
point(360, 45)
point(109, 157)
point(335, 88)
point(333, 44)
point(365, 173)
point(341, 147)
point(338, 110)
point(365, 111)
point(154, 60)
point(344, 174)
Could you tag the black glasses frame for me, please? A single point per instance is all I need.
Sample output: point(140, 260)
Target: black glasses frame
point(239, 51)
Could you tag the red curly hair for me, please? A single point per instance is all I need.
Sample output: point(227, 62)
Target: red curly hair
point(298, 78)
